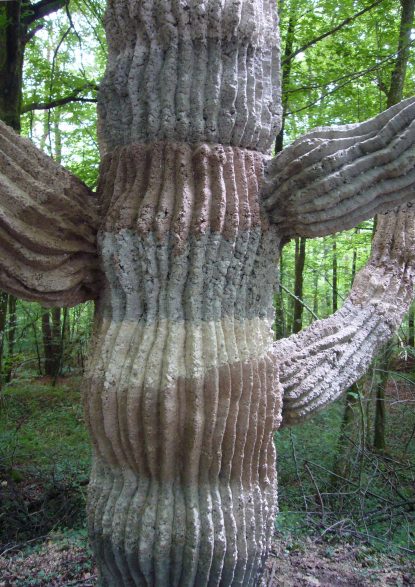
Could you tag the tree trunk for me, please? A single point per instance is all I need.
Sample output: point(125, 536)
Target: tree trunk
point(182, 399)
point(382, 368)
point(183, 484)
point(11, 335)
point(316, 292)
point(328, 295)
point(354, 261)
point(4, 299)
point(12, 34)
point(56, 341)
point(342, 459)
point(280, 325)
point(395, 94)
point(286, 74)
point(47, 342)
point(401, 63)
point(300, 247)
point(334, 276)
point(411, 326)
point(51, 330)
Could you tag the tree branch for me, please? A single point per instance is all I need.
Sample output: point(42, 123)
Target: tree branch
point(348, 79)
point(337, 28)
point(73, 97)
point(42, 9)
point(30, 34)
point(55, 103)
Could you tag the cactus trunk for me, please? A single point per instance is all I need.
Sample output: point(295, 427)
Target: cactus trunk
point(183, 395)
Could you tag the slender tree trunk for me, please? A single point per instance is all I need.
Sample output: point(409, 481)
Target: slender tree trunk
point(395, 94)
point(51, 330)
point(379, 441)
point(334, 276)
point(286, 73)
point(300, 252)
point(342, 461)
point(328, 297)
point(342, 455)
point(56, 341)
point(280, 326)
point(12, 34)
point(58, 138)
point(316, 293)
point(399, 71)
point(411, 326)
point(11, 335)
point(4, 299)
point(38, 355)
point(47, 342)
point(354, 261)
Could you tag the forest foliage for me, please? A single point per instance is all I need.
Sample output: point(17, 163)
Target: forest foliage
point(338, 65)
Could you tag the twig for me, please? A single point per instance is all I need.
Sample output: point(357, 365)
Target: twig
point(307, 468)
point(274, 566)
point(22, 544)
point(297, 471)
point(334, 526)
point(302, 302)
point(351, 482)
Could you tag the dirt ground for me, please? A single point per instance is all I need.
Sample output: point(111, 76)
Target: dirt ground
point(308, 563)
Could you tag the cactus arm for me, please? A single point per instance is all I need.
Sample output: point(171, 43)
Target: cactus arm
point(322, 361)
point(47, 227)
point(335, 177)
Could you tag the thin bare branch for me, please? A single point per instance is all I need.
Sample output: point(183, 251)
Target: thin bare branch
point(72, 97)
point(335, 29)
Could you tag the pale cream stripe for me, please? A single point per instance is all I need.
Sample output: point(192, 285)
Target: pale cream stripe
point(226, 341)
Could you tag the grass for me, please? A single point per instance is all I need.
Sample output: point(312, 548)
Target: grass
point(45, 460)
point(43, 426)
point(373, 499)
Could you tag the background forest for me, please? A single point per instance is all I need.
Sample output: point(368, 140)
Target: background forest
point(348, 473)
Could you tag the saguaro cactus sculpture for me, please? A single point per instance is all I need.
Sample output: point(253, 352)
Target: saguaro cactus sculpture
point(185, 386)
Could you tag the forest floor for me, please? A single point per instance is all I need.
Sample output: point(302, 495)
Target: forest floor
point(66, 561)
point(44, 464)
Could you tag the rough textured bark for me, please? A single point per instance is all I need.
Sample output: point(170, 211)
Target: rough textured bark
point(184, 386)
